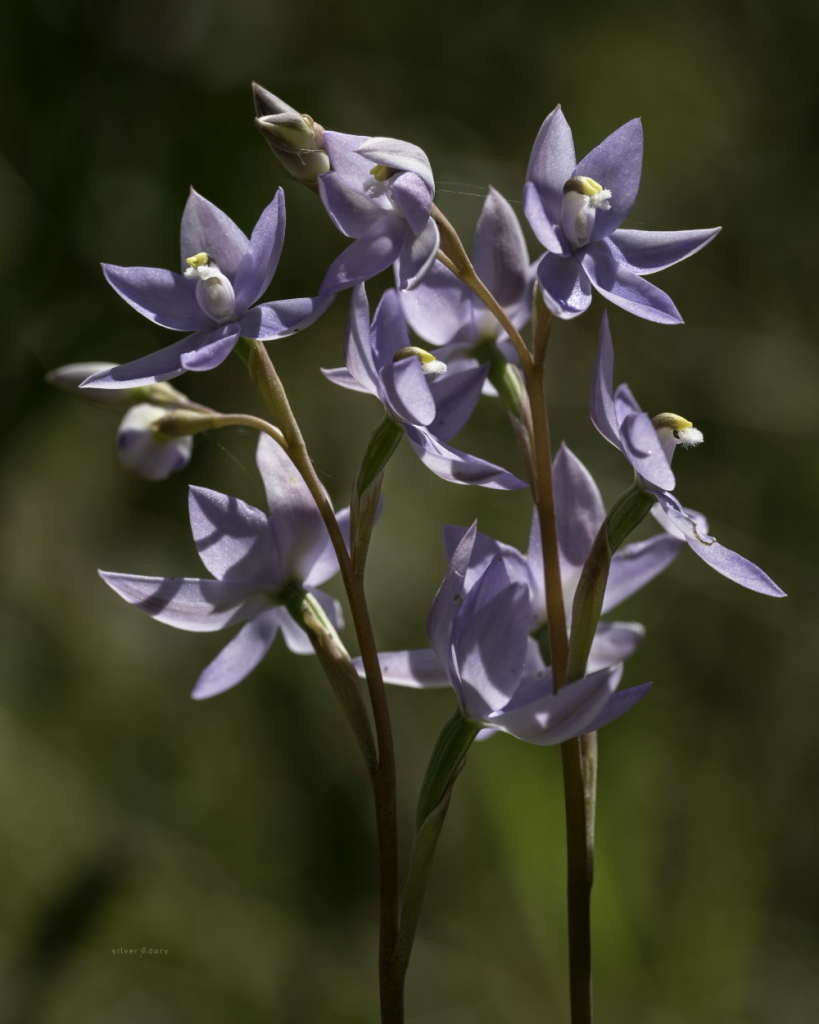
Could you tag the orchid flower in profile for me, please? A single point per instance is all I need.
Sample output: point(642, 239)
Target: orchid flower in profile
point(648, 445)
point(254, 558)
point(426, 400)
point(576, 210)
point(224, 274)
point(379, 192)
point(478, 628)
point(443, 311)
point(579, 514)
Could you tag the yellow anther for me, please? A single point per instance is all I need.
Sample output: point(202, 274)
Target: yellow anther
point(412, 350)
point(671, 421)
point(585, 186)
point(199, 260)
point(380, 172)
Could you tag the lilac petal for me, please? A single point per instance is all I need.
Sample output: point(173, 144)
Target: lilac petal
point(457, 467)
point(634, 565)
point(566, 288)
point(625, 403)
point(626, 289)
point(389, 330)
point(344, 379)
point(490, 640)
point(368, 255)
point(238, 659)
point(213, 350)
point(499, 254)
point(295, 638)
point(642, 448)
point(358, 355)
point(294, 519)
point(484, 551)
point(325, 564)
point(646, 252)
point(556, 717)
point(601, 398)
point(161, 295)
point(234, 539)
point(618, 704)
point(725, 561)
point(534, 563)
point(164, 364)
point(341, 148)
point(283, 317)
point(417, 255)
point(550, 166)
point(614, 642)
point(456, 395)
point(407, 392)
point(352, 212)
point(262, 257)
point(198, 606)
point(205, 228)
point(413, 199)
point(402, 156)
point(449, 597)
point(440, 309)
point(615, 164)
point(579, 509)
point(418, 669)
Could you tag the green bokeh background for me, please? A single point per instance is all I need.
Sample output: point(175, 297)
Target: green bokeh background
point(237, 833)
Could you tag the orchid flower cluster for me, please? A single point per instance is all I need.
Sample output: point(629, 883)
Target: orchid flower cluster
point(519, 638)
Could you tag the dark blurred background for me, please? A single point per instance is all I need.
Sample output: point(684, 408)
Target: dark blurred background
point(237, 834)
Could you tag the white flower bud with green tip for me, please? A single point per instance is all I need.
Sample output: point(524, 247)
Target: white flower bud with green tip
point(147, 452)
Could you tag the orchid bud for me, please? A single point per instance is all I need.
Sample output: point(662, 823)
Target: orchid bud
point(145, 450)
point(295, 138)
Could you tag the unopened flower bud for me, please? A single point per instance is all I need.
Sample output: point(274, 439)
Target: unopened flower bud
point(295, 138)
point(70, 376)
point(146, 451)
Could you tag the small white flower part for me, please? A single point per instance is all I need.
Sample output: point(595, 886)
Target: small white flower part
point(431, 366)
point(673, 430)
point(214, 292)
point(582, 198)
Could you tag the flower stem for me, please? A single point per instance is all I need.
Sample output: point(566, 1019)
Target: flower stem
point(271, 390)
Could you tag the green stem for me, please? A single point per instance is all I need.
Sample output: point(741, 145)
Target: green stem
point(272, 392)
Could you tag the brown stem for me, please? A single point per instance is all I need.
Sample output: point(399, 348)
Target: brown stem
point(272, 392)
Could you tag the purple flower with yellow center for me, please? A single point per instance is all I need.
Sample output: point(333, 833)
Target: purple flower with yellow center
point(478, 628)
point(224, 274)
point(379, 192)
point(648, 445)
point(443, 311)
point(420, 395)
point(576, 210)
point(256, 559)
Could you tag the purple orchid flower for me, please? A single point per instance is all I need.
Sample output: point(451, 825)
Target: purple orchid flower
point(379, 192)
point(576, 210)
point(443, 311)
point(579, 514)
point(429, 403)
point(478, 628)
point(649, 445)
point(224, 274)
point(253, 558)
